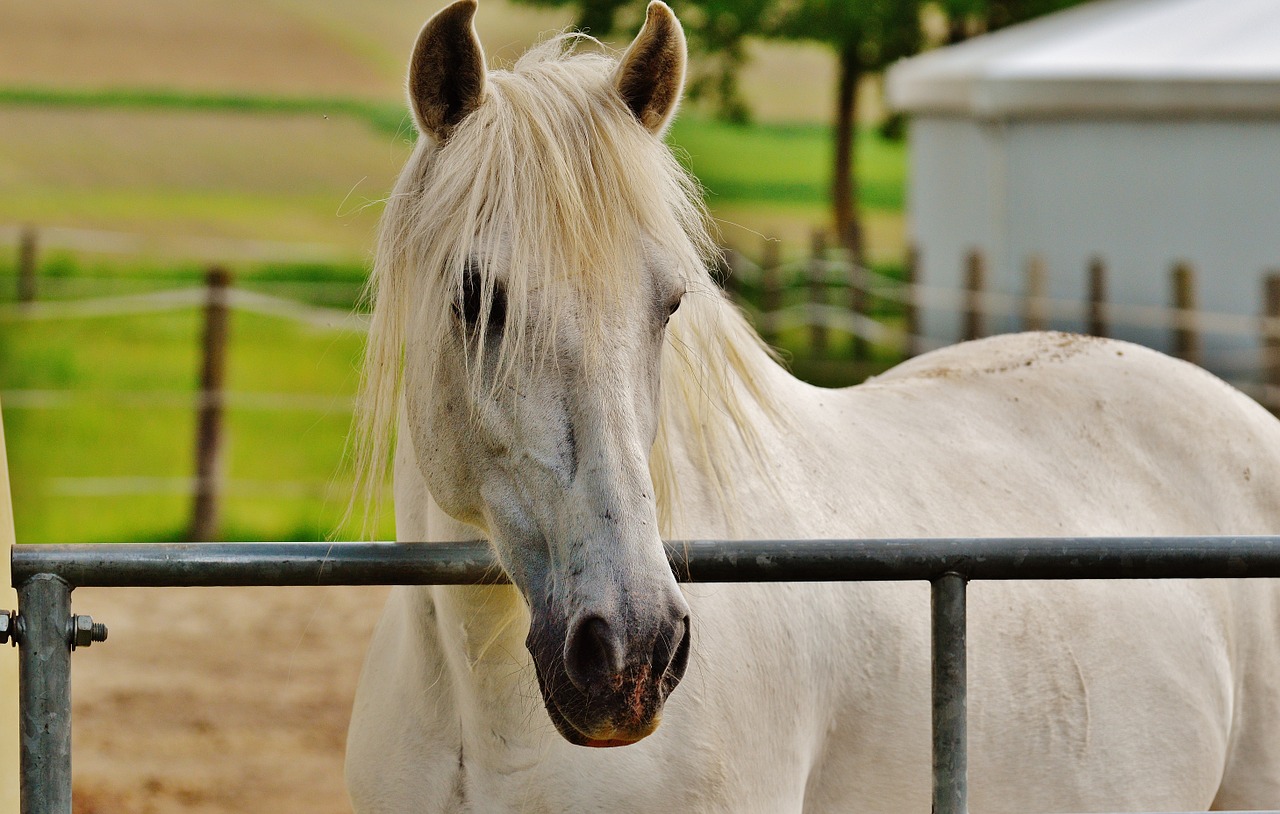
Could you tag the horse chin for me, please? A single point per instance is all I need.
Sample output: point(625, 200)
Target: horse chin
point(575, 736)
point(603, 735)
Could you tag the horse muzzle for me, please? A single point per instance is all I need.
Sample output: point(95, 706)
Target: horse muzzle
point(606, 683)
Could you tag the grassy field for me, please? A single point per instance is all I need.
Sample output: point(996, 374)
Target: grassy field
point(102, 452)
point(197, 117)
point(285, 169)
point(195, 45)
point(774, 180)
point(281, 121)
point(99, 411)
point(261, 174)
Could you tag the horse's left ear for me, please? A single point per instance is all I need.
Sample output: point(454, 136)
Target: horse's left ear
point(650, 76)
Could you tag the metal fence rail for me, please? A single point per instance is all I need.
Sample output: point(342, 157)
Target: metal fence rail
point(46, 632)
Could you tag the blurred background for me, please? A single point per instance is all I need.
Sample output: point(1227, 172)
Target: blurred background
point(146, 145)
point(144, 141)
point(189, 191)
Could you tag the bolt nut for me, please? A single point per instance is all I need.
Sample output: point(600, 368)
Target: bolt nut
point(6, 627)
point(85, 632)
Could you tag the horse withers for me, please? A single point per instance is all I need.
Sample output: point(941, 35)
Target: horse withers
point(551, 366)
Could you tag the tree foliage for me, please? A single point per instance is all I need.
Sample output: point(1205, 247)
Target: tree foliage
point(865, 35)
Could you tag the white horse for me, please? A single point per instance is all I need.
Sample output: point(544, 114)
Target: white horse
point(543, 390)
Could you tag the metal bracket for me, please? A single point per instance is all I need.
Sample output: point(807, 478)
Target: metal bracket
point(9, 624)
point(82, 631)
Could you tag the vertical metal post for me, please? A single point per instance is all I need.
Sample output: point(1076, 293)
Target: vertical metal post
point(44, 694)
point(950, 735)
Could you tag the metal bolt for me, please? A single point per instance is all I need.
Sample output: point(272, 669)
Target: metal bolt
point(7, 632)
point(84, 631)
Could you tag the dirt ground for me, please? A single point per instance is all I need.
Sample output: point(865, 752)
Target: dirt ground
point(217, 700)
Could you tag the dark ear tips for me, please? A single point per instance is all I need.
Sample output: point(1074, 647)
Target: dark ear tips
point(650, 77)
point(446, 71)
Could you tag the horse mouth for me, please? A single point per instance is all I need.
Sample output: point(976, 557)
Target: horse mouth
point(575, 736)
point(602, 729)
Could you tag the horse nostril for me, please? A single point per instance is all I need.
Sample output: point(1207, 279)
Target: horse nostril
point(591, 651)
point(671, 651)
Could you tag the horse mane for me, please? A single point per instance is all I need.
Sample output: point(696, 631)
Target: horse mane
point(553, 161)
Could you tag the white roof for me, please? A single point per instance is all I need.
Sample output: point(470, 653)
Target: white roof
point(1108, 56)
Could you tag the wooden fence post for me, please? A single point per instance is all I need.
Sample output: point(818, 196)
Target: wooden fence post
point(27, 264)
point(1097, 325)
point(910, 303)
point(975, 273)
point(770, 289)
point(818, 293)
point(1186, 334)
point(1033, 305)
point(1271, 339)
point(859, 291)
point(731, 273)
point(206, 516)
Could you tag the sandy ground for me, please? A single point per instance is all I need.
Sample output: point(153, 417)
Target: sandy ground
point(217, 699)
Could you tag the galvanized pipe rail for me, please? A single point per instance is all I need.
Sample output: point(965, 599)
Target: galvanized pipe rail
point(46, 632)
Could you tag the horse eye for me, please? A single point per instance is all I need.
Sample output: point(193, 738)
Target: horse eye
point(671, 309)
point(471, 300)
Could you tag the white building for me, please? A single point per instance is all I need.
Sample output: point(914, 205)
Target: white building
point(1143, 132)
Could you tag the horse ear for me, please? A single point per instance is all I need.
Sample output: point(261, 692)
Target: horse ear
point(446, 72)
point(650, 76)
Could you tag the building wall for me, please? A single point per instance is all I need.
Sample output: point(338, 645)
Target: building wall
point(954, 193)
point(1141, 194)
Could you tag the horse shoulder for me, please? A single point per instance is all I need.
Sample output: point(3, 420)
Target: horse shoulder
point(404, 744)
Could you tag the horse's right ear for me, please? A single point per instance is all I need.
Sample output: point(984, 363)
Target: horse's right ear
point(446, 72)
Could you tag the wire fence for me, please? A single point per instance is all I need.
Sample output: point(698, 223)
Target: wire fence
point(815, 297)
point(198, 248)
point(826, 292)
point(209, 403)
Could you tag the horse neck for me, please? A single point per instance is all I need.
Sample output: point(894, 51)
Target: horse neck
point(721, 450)
point(479, 630)
point(481, 627)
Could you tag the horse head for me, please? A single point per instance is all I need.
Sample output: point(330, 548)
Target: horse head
point(550, 255)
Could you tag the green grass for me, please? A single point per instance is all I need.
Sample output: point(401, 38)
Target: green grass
point(785, 164)
point(764, 163)
point(62, 275)
point(106, 430)
point(101, 434)
point(391, 119)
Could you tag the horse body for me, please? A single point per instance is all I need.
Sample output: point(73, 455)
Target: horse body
point(1083, 695)
point(525, 315)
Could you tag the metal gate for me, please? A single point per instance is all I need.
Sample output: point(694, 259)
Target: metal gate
point(46, 632)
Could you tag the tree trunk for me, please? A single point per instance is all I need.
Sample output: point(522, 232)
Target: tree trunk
point(844, 187)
